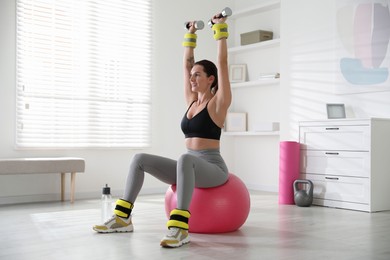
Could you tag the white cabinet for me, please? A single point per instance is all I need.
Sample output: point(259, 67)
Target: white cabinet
point(348, 161)
point(256, 97)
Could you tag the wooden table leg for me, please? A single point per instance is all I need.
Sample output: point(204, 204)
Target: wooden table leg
point(72, 186)
point(62, 186)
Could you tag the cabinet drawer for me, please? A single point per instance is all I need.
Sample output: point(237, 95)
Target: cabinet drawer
point(338, 188)
point(335, 137)
point(336, 163)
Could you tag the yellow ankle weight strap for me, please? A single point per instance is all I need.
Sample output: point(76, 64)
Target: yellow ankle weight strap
point(123, 208)
point(220, 31)
point(179, 218)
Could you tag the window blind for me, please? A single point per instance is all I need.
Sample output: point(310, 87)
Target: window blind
point(83, 72)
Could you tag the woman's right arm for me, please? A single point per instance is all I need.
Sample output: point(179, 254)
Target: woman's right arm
point(188, 63)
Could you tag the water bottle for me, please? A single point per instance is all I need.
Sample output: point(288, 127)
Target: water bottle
point(106, 203)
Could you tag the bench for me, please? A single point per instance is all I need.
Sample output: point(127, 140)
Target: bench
point(60, 165)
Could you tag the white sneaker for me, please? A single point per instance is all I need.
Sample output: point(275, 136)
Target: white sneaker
point(176, 237)
point(115, 224)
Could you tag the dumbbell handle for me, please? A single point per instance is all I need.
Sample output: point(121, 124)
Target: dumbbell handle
point(199, 25)
point(225, 12)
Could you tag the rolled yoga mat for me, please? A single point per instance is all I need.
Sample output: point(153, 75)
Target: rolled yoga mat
point(288, 170)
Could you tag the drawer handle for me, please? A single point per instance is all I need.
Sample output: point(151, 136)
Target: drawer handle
point(332, 128)
point(332, 178)
point(331, 153)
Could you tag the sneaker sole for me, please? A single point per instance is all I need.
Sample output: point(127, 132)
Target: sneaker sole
point(181, 243)
point(117, 230)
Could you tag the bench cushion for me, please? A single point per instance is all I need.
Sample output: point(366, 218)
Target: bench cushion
point(41, 165)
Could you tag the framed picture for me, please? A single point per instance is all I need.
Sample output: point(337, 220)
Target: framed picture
point(235, 122)
point(237, 73)
point(335, 111)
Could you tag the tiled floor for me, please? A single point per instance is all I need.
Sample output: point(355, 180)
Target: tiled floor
point(63, 231)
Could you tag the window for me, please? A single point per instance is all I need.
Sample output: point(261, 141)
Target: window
point(83, 72)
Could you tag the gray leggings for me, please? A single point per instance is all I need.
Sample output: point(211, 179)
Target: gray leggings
point(204, 169)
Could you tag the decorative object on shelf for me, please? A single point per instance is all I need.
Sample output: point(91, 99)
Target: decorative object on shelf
point(266, 126)
point(335, 111)
point(235, 122)
point(256, 36)
point(269, 76)
point(303, 196)
point(237, 73)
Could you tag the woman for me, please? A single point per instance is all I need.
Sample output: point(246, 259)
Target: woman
point(208, 96)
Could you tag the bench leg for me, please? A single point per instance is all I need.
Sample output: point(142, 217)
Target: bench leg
point(72, 186)
point(62, 186)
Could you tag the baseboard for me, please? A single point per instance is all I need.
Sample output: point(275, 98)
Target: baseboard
point(256, 187)
point(6, 200)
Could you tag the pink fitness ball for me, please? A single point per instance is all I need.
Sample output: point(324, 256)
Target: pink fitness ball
point(215, 210)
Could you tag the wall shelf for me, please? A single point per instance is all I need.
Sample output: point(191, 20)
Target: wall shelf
point(252, 133)
point(257, 57)
point(254, 46)
point(259, 96)
point(264, 7)
point(256, 83)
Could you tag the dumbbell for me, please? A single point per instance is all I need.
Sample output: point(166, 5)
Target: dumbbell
point(225, 12)
point(199, 25)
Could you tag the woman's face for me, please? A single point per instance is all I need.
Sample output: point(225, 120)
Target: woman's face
point(199, 80)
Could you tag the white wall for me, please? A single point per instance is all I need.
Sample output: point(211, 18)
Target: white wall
point(309, 73)
point(108, 165)
point(310, 54)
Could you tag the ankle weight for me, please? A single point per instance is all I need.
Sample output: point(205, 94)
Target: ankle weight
point(179, 218)
point(123, 208)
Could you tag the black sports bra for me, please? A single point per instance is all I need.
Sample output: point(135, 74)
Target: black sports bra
point(201, 125)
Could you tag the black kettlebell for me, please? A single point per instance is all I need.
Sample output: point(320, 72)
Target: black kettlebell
point(303, 198)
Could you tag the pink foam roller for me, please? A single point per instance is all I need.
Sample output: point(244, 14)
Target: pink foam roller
point(288, 170)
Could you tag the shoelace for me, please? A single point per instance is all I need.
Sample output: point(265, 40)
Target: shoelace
point(110, 219)
point(172, 232)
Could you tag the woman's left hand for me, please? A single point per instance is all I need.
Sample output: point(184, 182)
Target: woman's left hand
point(215, 19)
